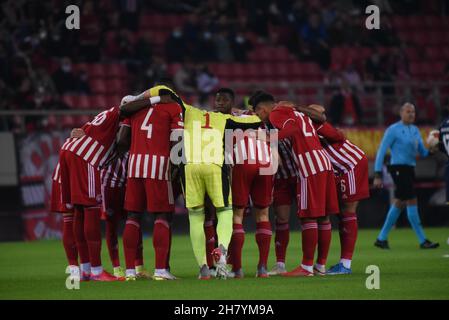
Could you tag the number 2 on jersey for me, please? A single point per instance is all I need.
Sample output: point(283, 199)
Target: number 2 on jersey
point(304, 127)
point(146, 126)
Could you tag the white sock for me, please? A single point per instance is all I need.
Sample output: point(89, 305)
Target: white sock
point(320, 267)
point(281, 264)
point(97, 270)
point(130, 272)
point(159, 271)
point(85, 267)
point(74, 270)
point(346, 263)
point(308, 268)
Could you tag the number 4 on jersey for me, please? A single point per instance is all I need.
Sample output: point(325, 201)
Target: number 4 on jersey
point(146, 126)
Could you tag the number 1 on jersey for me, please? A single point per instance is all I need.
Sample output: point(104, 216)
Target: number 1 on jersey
point(148, 127)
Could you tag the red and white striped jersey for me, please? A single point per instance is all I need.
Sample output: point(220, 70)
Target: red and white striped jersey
point(56, 176)
point(308, 154)
point(343, 154)
point(95, 146)
point(287, 166)
point(114, 175)
point(149, 154)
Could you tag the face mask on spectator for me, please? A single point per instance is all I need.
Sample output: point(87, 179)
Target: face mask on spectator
point(177, 34)
point(66, 67)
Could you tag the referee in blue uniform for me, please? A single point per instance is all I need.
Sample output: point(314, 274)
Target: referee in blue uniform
point(405, 142)
point(444, 147)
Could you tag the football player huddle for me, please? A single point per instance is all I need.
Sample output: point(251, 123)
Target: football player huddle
point(142, 155)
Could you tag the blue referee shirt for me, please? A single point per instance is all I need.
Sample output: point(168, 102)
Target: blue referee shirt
point(405, 143)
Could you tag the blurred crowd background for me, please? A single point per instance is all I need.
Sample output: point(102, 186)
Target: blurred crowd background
point(302, 50)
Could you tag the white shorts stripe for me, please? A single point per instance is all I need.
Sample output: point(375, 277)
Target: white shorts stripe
point(137, 173)
point(309, 160)
point(153, 166)
point(145, 166)
point(161, 167)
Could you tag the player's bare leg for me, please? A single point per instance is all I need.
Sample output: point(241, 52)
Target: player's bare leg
point(237, 241)
point(324, 242)
point(348, 236)
point(309, 232)
point(263, 239)
point(131, 236)
point(281, 239)
point(161, 243)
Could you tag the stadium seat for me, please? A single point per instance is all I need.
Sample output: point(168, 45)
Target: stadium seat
point(98, 86)
point(70, 100)
point(115, 86)
point(116, 70)
point(113, 100)
point(96, 70)
point(67, 122)
point(434, 53)
point(84, 102)
point(98, 101)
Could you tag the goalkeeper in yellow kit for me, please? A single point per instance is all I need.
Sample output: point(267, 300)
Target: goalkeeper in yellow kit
point(205, 173)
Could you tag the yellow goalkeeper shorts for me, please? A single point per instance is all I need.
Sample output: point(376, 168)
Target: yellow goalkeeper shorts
point(207, 179)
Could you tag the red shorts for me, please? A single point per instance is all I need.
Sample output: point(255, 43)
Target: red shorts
point(113, 202)
point(56, 204)
point(354, 185)
point(284, 191)
point(317, 195)
point(80, 182)
point(152, 195)
point(246, 182)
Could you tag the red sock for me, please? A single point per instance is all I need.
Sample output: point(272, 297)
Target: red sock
point(238, 238)
point(161, 240)
point(281, 240)
point(263, 239)
point(92, 232)
point(348, 234)
point(78, 232)
point(138, 261)
point(324, 241)
point(309, 241)
point(131, 241)
point(209, 230)
point(112, 240)
point(167, 264)
point(68, 240)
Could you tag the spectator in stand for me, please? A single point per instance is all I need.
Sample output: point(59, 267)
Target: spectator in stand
point(314, 35)
point(176, 47)
point(90, 33)
point(64, 78)
point(223, 47)
point(185, 80)
point(130, 14)
point(240, 47)
point(352, 76)
point(206, 83)
point(344, 108)
point(399, 64)
point(143, 49)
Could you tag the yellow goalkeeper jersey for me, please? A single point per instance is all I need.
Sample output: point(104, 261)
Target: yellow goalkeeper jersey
point(204, 131)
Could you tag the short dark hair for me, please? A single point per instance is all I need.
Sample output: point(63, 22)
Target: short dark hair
point(165, 81)
point(258, 97)
point(226, 91)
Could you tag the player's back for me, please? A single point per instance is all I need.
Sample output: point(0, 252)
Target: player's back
point(307, 150)
point(150, 140)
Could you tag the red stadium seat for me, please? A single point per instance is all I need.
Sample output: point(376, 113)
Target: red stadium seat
point(84, 102)
point(96, 70)
point(280, 71)
point(412, 53)
point(434, 53)
point(67, 122)
point(116, 70)
point(70, 100)
point(115, 86)
point(113, 100)
point(98, 102)
point(98, 86)
point(414, 22)
point(399, 23)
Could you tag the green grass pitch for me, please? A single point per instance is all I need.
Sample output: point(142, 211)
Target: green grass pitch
point(35, 270)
